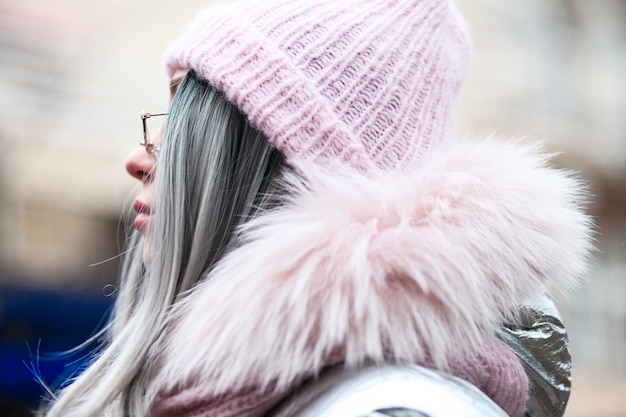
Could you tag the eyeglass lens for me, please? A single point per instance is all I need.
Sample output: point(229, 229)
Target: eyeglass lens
point(151, 123)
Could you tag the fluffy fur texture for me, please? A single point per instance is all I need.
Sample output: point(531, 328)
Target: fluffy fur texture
point(419, 265)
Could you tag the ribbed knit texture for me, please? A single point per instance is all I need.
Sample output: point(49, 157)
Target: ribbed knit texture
point(355, 81)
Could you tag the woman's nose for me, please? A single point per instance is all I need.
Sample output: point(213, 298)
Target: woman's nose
point(140, 164)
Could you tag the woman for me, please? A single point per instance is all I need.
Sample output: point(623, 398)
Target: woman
point(305, 208)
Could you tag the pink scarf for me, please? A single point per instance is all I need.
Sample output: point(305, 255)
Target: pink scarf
point(496, 371)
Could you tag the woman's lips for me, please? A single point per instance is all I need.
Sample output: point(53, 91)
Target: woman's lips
point(143, 214)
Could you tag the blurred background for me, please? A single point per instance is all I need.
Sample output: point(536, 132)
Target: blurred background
point(75, 75)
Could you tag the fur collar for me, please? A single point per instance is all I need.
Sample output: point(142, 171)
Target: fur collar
point(419, 265)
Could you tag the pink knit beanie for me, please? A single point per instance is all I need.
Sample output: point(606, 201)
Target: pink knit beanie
point(356, 81)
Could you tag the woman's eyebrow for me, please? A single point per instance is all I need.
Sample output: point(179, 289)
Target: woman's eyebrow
point(174, 84)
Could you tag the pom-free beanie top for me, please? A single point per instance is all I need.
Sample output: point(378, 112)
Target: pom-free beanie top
point(335, 81)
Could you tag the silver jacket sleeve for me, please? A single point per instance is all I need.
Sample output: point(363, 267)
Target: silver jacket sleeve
point(386, 391)
point(541, 343)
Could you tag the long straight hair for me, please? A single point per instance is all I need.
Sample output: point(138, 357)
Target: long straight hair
point(213, 172)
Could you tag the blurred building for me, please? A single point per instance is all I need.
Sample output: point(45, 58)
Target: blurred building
point(74, 76)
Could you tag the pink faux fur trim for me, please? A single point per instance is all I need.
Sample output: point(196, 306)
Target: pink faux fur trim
point(412, 264)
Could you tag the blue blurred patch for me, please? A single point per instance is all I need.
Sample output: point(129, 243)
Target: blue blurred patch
point(37, 327)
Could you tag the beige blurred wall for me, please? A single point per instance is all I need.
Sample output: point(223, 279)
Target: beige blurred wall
point(75, 74)
point(74, 77)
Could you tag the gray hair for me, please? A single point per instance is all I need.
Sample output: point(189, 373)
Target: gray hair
point(214, 172)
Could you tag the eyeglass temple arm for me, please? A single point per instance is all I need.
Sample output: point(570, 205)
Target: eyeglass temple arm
point(145, 116)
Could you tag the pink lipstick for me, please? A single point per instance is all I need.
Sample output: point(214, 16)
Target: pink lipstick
point(143, 213)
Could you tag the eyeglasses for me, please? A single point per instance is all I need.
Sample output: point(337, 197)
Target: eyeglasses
point(150, 148)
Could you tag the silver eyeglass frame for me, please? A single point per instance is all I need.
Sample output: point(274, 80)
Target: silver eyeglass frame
point(150, 148)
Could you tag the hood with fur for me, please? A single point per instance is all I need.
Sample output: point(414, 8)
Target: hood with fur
point(382, 264)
